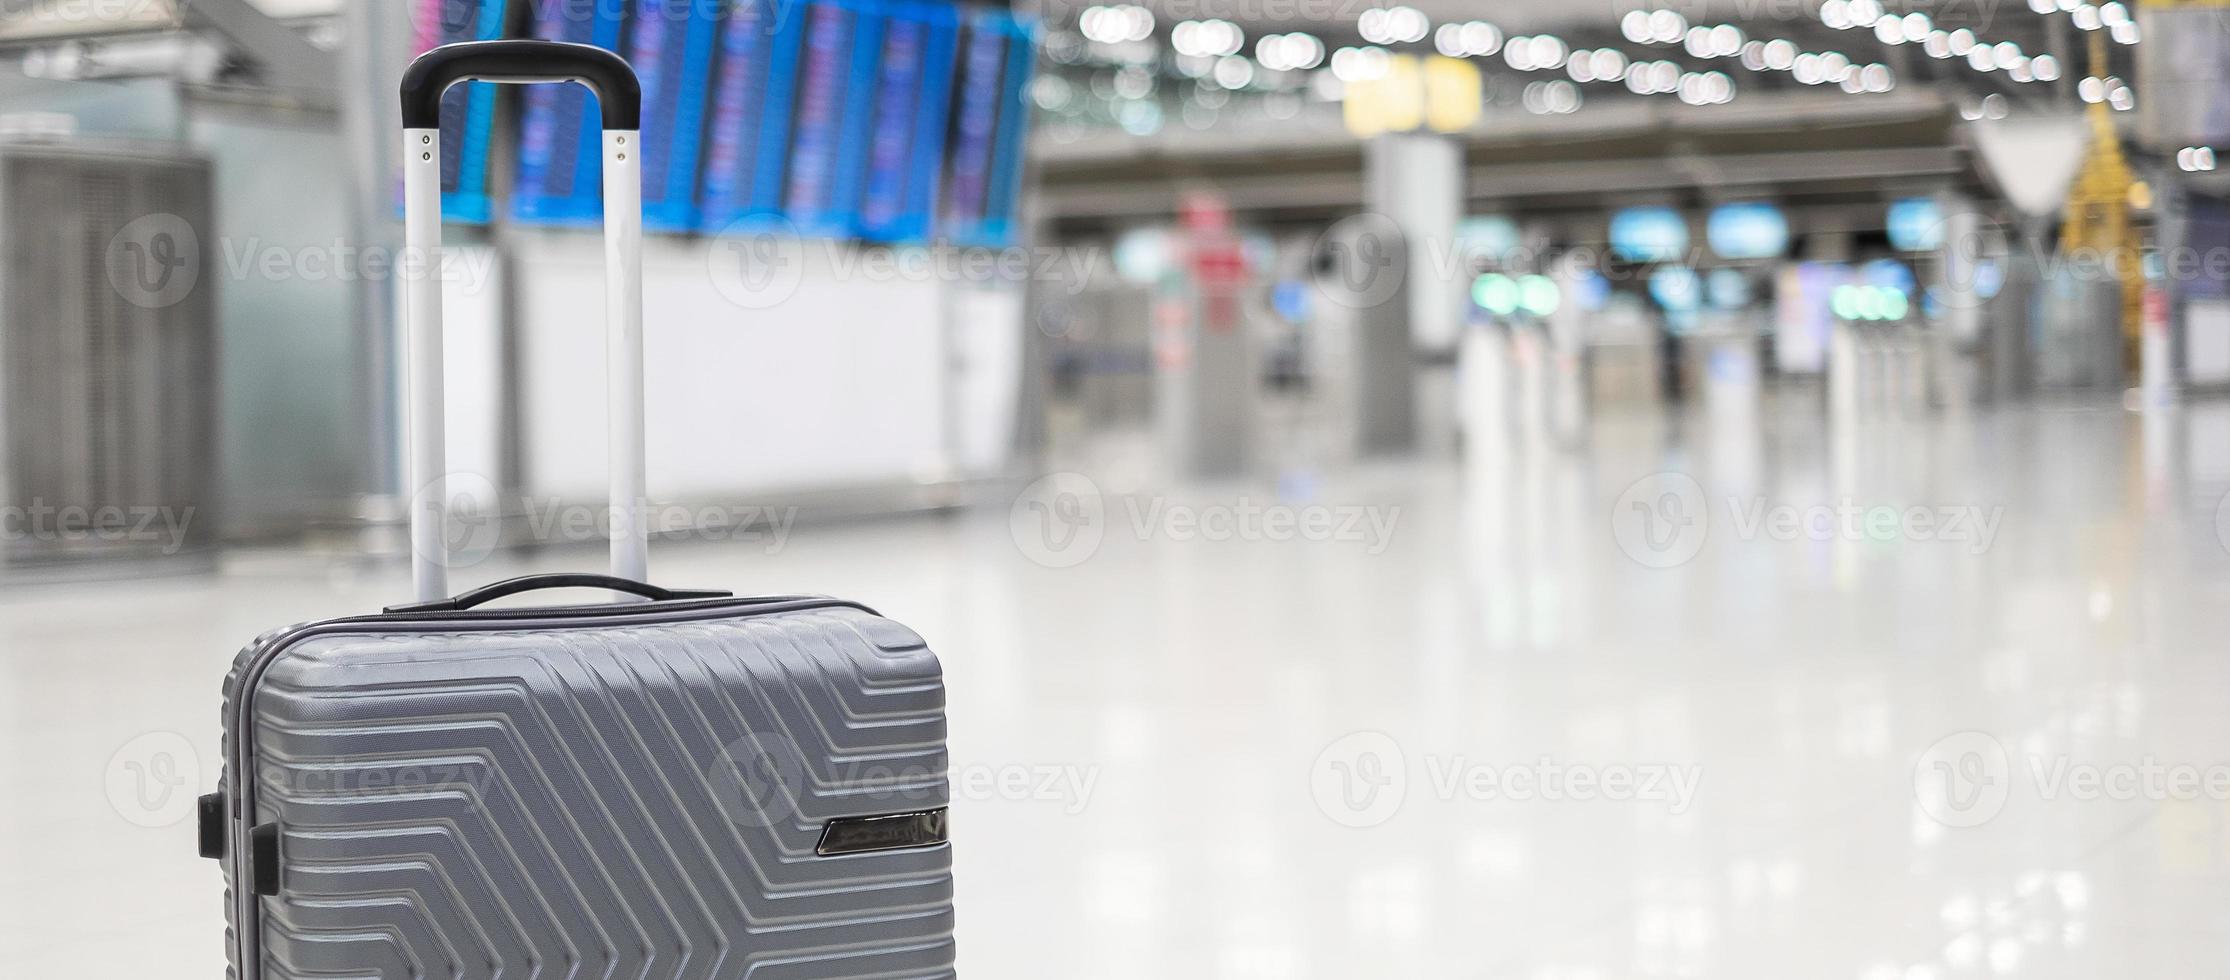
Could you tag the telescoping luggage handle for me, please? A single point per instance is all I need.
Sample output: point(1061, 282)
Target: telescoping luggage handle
point(619, 97)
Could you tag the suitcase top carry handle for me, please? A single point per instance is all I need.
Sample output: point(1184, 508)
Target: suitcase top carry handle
point(618, 93)
point(427, 474)
point(556, 580)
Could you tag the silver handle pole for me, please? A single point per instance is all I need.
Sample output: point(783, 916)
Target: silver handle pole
point(427, 465)
point(623, 300)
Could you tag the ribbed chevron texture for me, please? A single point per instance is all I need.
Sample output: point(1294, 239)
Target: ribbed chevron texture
point(594, 798)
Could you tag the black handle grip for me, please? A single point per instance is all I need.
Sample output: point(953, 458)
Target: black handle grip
point(618, 93)
point(555, 580)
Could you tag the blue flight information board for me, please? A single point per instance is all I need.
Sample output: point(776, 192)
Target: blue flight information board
point(834, 86)
point(560, 134)
point(906, 144)
point(996, 62)
point(671, 46)
point(468, 111)
point(750, 140)
point(884, 120)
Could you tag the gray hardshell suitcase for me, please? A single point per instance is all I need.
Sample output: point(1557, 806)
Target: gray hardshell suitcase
point(690, 786)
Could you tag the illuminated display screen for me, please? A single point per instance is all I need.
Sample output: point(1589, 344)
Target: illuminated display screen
point(468, 111)
point(751, 112)
point(1916, 224)
point(1649, 234)
point(671, 46)
point(834, 29)
point(996, 62)
point(1677, 288)
point(560, 133)
point(888, 120)
point(1754, 230)
point(914, 88)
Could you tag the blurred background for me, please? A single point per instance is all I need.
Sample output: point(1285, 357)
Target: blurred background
point(1560, 490)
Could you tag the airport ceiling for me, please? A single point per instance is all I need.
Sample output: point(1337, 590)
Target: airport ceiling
point(1795, 79)
point(1971, 46)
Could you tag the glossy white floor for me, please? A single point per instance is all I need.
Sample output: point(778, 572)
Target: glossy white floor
point(1931, 700)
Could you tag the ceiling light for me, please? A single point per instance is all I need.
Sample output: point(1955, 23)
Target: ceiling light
point(1234, 72)
point(1408, 24)
point(1780, 54)
point(1448, 40)
point(1481, 38)
point(1697, 42)
point(1581, 67)
point(1635, 25)
point(1518, 53)
point(1548, 52)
